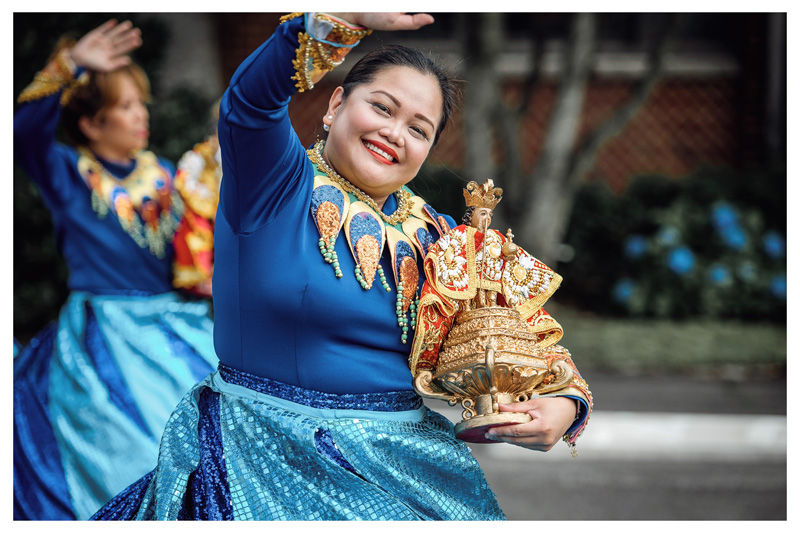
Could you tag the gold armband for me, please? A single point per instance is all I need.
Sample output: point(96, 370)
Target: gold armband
point(322, 46)
point(58, 75)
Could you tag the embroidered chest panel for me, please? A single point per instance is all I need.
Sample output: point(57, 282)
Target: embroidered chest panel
point(144, 202)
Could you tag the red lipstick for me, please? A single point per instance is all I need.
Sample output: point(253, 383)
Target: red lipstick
point(384, 148)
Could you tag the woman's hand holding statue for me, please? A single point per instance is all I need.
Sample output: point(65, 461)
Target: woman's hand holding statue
point(552, 417)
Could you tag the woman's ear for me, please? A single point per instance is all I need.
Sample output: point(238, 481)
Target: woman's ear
point(89, 127)
point(336, 101)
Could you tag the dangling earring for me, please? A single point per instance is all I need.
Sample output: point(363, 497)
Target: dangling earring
point(325, 126)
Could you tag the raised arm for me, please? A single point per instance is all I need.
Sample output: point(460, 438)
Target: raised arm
point(263, 159)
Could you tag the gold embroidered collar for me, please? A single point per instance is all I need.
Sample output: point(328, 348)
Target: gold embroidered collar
point(403, 195)
point(144, 202)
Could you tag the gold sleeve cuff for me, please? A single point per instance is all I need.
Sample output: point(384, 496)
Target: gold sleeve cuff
point(323, 49)
point(58, 75)
point(577, 388)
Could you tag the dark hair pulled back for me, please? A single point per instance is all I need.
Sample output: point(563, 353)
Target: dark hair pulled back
point(388, 56)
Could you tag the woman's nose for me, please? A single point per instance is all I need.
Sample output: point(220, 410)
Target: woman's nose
point(393, 134)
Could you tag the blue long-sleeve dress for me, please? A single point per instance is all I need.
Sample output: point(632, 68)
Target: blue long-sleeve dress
point(93, 390)
point(312, 413)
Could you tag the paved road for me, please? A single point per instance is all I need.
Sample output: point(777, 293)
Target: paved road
point(655, 449)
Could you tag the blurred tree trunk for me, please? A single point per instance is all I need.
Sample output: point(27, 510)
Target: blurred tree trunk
point(483, 39)
point(538, 205)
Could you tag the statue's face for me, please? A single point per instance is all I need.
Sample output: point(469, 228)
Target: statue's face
point(481, 218)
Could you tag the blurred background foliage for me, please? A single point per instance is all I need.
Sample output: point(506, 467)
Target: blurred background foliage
point(712, 244)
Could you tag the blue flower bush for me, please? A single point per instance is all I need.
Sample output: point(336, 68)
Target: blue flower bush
point(680, 260)
point(635, 246)
point(623, 290)
point(774, 245)
point(711, 244)
point(720, 275)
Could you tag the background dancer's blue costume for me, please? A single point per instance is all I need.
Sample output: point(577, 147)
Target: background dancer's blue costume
point(93, 391)
point(311, 414)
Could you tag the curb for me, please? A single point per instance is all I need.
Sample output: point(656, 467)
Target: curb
point(621, 435)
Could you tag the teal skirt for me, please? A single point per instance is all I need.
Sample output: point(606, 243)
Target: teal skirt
point(240, 447)
point(93, 392)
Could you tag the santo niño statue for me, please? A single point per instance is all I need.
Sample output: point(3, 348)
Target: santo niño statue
point(482, 334)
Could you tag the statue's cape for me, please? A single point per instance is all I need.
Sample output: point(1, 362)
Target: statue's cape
point(460, 263)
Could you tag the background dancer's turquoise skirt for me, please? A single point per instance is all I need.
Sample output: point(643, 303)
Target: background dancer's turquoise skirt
point(93, 392)
point(233, 453)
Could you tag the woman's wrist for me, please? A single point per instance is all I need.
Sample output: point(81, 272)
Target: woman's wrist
point(351, 19)
point(323, 46)
point(338, 32)
point(69, 60)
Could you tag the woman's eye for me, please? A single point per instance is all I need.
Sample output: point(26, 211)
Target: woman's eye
point(420, 131)
point(381, 107)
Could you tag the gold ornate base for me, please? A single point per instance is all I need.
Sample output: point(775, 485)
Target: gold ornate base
point(473, 429)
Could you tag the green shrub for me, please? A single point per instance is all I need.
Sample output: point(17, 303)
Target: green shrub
point(712, 244)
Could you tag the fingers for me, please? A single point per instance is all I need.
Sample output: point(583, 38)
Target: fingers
point(128, 42)
point(533, 435)
point(104, 27)
point(124, 37)
point(117, 29)
point(413, 22)
point(517, 407)
point(419, 20)
point(391, 21)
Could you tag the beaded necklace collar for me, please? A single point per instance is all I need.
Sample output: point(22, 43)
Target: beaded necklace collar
point(403, 195)
point(144, 202)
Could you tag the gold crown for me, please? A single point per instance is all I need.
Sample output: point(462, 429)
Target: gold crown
point(486, 195)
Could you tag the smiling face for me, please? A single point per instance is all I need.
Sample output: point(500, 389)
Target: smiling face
point(122, 128)
point(382, 132)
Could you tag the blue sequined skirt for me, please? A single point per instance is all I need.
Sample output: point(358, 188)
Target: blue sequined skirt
point(240, 447)
point(93, 392)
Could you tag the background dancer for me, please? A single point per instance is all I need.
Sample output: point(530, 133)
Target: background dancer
point(93, 391)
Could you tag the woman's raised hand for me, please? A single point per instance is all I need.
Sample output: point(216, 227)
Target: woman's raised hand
point(387, 21)
point(106, 47)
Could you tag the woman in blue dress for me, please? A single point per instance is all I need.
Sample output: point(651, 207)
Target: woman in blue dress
point(93, 391)
point(312, 413)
